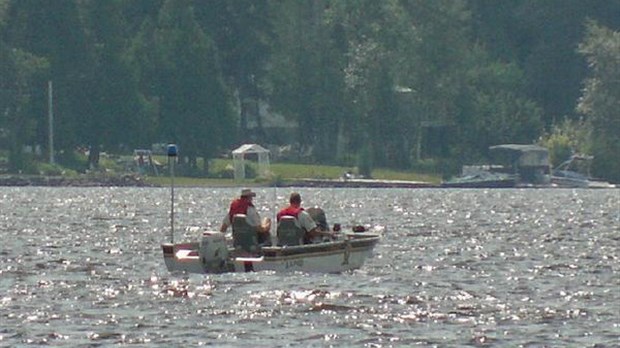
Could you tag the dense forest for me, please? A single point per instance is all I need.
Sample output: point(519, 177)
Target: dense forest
point(404, 84)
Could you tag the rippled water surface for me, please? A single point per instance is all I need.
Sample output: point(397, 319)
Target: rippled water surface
point(509, 268)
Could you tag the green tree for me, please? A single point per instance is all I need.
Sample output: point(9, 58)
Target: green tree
point(540, 37)
point(369, 84)
point(306, 78)
point(181, 71)
point(20, 74)
point(364, 56)
point(566, 139)
point(4, 4)
point(243, 33)
point(600, 102)
point(435, 61)
point(52, 30)
point(497, 110)
point(136, 12)
point(118, 117)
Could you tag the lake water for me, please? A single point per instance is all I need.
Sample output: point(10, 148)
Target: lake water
point(501, 268)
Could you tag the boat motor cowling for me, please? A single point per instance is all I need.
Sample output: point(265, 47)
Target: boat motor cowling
point(213, 252)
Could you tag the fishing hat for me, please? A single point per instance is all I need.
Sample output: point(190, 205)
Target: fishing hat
point(247, 193)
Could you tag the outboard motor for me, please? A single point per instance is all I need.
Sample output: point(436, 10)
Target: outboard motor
point(318, 215)
point(213, 252)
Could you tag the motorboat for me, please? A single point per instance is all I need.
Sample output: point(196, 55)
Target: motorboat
point(575, 173)
point(214, 254)
point(334, 251)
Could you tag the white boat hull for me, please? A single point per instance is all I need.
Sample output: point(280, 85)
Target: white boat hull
point(330, 257)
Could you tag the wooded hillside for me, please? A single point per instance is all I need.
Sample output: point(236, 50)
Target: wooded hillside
point(404, 84)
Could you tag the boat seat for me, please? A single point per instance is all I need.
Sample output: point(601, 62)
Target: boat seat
point(244, 235)
point(288, 232)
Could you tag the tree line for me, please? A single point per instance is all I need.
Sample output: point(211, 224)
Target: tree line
point(405, 84)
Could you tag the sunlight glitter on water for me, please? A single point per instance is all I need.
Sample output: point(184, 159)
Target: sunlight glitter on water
point(83, 266)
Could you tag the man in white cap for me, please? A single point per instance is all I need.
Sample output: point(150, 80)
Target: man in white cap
point(243, 205)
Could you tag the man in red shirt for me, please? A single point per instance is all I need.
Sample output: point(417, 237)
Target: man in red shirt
point(243, 205)
point(302, 218)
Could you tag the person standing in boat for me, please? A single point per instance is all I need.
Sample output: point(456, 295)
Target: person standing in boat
point(244, 205)
point(302, 218)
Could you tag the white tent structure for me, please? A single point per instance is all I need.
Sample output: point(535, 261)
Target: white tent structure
point(239, 159)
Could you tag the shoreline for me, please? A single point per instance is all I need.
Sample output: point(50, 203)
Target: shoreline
point(80, 181)
point(132, 180)
point(129, 180)
point(358, 183)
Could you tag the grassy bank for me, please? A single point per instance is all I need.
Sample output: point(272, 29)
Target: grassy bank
point(220, 173)
point(283, 173)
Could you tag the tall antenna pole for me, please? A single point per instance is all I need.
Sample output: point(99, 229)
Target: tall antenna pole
point(50, 110)
point(172, 154)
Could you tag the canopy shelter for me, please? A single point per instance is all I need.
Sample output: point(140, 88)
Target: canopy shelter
point(520, 155)
point(530, 162)
point(239, 159)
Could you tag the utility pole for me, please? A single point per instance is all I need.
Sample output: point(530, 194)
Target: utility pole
point(50, 110)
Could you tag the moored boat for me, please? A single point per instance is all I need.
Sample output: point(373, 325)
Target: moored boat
point(482, 179)
point(575, 173)
point(514, 165)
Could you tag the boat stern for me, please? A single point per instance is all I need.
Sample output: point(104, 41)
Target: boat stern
point(182, 257)
point(210, 255)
